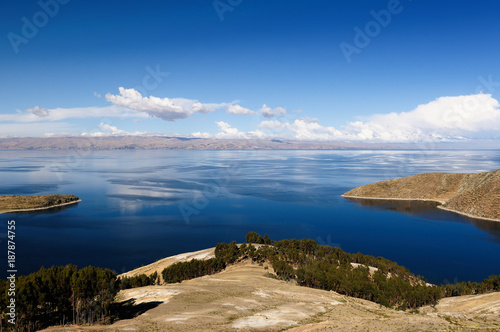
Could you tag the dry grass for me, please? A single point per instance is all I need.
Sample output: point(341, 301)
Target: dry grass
point(474, 195)
point(241, 298)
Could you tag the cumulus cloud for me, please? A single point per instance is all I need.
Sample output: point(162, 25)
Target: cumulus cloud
point(269, 112)
point(444, 119)
point(237, 109)
point(201, 135)
point(196, 106)
point(169, 109)
point(163, 108)
point(114, 130)
point(199, 107)
point(228, 132)
point(301, 129)
point(454, 118)
point(109, 130)
point(41, 112)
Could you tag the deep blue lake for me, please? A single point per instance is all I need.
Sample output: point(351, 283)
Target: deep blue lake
point(139, 206)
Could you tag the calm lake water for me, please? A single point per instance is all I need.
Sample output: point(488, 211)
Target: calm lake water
point(139, 206)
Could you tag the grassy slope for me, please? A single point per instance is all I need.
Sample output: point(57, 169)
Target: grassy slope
point(241, 298)
point(11, 203)
point(477, 195)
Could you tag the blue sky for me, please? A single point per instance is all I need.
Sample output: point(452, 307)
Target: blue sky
point(421, 70)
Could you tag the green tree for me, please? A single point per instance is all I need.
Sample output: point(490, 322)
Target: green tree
point(253, 237)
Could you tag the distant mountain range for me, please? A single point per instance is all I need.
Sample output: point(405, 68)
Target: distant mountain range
point(475, 195)
point(185, 143)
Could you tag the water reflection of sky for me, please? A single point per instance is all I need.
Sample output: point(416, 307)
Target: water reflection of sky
point(130, 211)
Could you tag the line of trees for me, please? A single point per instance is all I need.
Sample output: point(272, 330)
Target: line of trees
point(61, 295)
point(138, 281)
point(67, 295)
point(312, 265)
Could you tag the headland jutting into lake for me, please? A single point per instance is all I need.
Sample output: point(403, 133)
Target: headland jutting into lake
point(16, 203)
point(473, 195)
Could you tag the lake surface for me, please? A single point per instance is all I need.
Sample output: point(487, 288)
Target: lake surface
point(140, 206)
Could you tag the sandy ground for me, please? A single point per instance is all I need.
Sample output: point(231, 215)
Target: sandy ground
point(241, 298)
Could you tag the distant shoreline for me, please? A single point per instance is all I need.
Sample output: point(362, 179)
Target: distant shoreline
point(40, 208)
point(161, 142)
point(440, 206)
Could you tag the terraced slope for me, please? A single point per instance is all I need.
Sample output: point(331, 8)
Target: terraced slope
point(475, 195)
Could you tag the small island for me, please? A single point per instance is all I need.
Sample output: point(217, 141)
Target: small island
point(473, 195)
point(15, 203)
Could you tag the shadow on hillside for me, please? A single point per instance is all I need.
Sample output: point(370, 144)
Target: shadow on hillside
point(129, 310)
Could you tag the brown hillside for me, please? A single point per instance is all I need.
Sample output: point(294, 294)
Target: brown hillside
point(14, 203)
point(476, 195)
point(242, 298)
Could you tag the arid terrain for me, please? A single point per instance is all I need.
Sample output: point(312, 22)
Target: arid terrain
point(15, 203)
point(474, 195)
point(243, 298)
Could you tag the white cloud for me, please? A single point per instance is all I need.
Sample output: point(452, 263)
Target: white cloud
point(301, 129)
point(41, 112)
point(196, 106)
point(445, 119)
point(33, 129)
point(38, 114)
point(109, 130)
point(201, 135)
point(228, 132)
point(169, 109)
point(237, 109)
point(114, 130)
point(163, 108)
point(199, 107)
point(269, 112)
